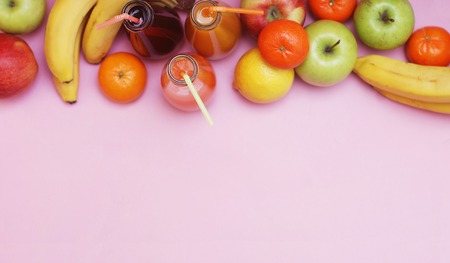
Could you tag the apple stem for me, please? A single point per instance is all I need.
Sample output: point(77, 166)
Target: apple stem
point(329, 49)
point(385, 17)
point(275, 13)
point(12, 4)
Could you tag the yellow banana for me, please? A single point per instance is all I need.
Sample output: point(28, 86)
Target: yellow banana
point(68, 91)
point(412, 81)
point(64, 20)
point(96, 43)
point(424, 105)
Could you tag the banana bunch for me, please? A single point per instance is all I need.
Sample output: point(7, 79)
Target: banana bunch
point(71, 26)
point(423, 87)
point(62, 44)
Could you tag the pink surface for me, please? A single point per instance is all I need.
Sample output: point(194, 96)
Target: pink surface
point(335, 174)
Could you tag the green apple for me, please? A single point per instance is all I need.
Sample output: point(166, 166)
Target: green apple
point(332, 54)
point(384, 24)
point(21, 16)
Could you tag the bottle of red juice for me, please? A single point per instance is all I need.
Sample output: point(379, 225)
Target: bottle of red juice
point(159, 32)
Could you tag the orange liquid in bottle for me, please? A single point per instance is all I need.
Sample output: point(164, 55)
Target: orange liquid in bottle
point(214, 35)
point(175, 89)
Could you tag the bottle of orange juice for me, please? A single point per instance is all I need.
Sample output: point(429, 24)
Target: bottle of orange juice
point(212, 34)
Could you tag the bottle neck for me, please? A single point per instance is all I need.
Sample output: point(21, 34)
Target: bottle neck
point(182, 64)
point(202, 17)
point(141, 10)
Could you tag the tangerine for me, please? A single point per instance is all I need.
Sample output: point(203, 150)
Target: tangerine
point(337, 10)
point(429, 46)
point(122, 77)
point(283, 43)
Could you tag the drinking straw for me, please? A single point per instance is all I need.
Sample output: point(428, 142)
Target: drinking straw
point(225, 9)
point(118, 18)
point(197, 98)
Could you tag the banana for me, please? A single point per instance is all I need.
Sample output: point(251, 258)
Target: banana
point(424, 105)
point(96, 43)
point(412, 81)
point(68, 91)
point(64, 21)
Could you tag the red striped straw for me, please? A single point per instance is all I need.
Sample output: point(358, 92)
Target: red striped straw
point(118, 18)
point(225, 9)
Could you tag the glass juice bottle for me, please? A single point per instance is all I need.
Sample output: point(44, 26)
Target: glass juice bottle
point(159, 33)
point(174, 87)
point(214, 35)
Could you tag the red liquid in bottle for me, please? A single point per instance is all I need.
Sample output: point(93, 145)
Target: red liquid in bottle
point(159, 33)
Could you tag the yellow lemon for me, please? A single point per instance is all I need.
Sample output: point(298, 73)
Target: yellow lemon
point(260, 82)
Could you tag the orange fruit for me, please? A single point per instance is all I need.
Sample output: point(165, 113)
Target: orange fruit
point(283, 43)
point(122, 77)
point(429, 46)
point(337, 10)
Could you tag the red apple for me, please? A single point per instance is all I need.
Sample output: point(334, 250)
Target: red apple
point(18, 65)
point(294, 10)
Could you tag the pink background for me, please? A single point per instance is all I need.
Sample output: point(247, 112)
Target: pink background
point(336, 174)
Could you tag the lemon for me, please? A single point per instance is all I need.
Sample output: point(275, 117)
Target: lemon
point(260, 82)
